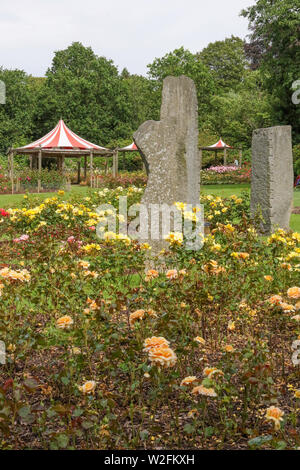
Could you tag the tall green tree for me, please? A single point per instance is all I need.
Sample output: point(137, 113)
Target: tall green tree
point(227, 62)
point(17, 113)
point(143, 103)
point(88, 93)
point(183, 62)
point(237, 112)
point(274, 46)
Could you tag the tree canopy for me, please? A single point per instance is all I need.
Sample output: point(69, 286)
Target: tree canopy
point(86, 91)
point(226, 60)
point(183, 62)
point(240, 86)
point(274, 47)
point(16, 115)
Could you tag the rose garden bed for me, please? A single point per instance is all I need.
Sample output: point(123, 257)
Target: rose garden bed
point(101, 354)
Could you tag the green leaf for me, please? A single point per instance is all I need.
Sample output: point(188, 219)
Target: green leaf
point(259, 441)
point(62, 440)
point(189, 428)
point(144, 434)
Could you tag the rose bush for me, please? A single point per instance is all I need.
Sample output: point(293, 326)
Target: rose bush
point(101, 352)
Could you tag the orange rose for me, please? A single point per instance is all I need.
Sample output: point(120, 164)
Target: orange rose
point(199, 340)
point(201, 390)
point(188, 380)
point(163, 356)
point(275, 414)
point(64, 322)
point(294, 292)
point(210, 371)
point(137, 315)
point(229, 348)
point(172, 274)
point(151, 274)
point(88, 387)
point(155, 341)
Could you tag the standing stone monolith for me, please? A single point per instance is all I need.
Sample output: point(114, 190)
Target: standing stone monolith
point(169, 147)
point(272, 177)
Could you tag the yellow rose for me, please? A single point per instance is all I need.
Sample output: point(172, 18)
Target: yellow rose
point(64, 322)
point(88, 387)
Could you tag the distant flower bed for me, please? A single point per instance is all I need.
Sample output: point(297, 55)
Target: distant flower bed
point(123, 179)
point(223, 169)
point(226, 175)
point(5, 185)
point(27, 181)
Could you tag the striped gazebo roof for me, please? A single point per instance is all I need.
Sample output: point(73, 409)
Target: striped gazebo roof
point(61, 137)
point(130, 148)
point(220, 145)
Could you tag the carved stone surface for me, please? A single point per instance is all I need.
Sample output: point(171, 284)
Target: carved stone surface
point(169, 147)
point(272, 176)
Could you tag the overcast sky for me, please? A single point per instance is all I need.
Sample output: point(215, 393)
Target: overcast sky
point(130, 32)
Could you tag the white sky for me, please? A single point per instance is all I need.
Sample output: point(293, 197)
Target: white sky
point(130, 32)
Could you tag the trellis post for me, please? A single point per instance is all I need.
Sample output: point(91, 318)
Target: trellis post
point(85, 166)
point(39, 169)
point(115, 164)
point(78, 171)
point(91, 165)
point(11, 168)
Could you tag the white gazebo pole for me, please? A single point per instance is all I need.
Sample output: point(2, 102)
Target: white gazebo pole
point(117, 162)
point(225, 156)
point(78, 171)
point(85, 165)
point(40, 169)
point(240, 157)
point(114, 166)
point(91, 167)
point(11, 164)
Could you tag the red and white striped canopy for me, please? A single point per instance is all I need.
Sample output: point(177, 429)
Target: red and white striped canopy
point(61, 137)
point(130, 148)
point(220, 145)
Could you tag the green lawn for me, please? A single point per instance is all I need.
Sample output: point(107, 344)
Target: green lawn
point(13, 200)
point(224, 190)
point(228, 189)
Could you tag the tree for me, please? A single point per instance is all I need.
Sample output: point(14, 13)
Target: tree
point(183, 62)
point(143, 102)
point(87, 92)
point(16, 114)
point(226, 60)
point(237, 113)
point(274, 46)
